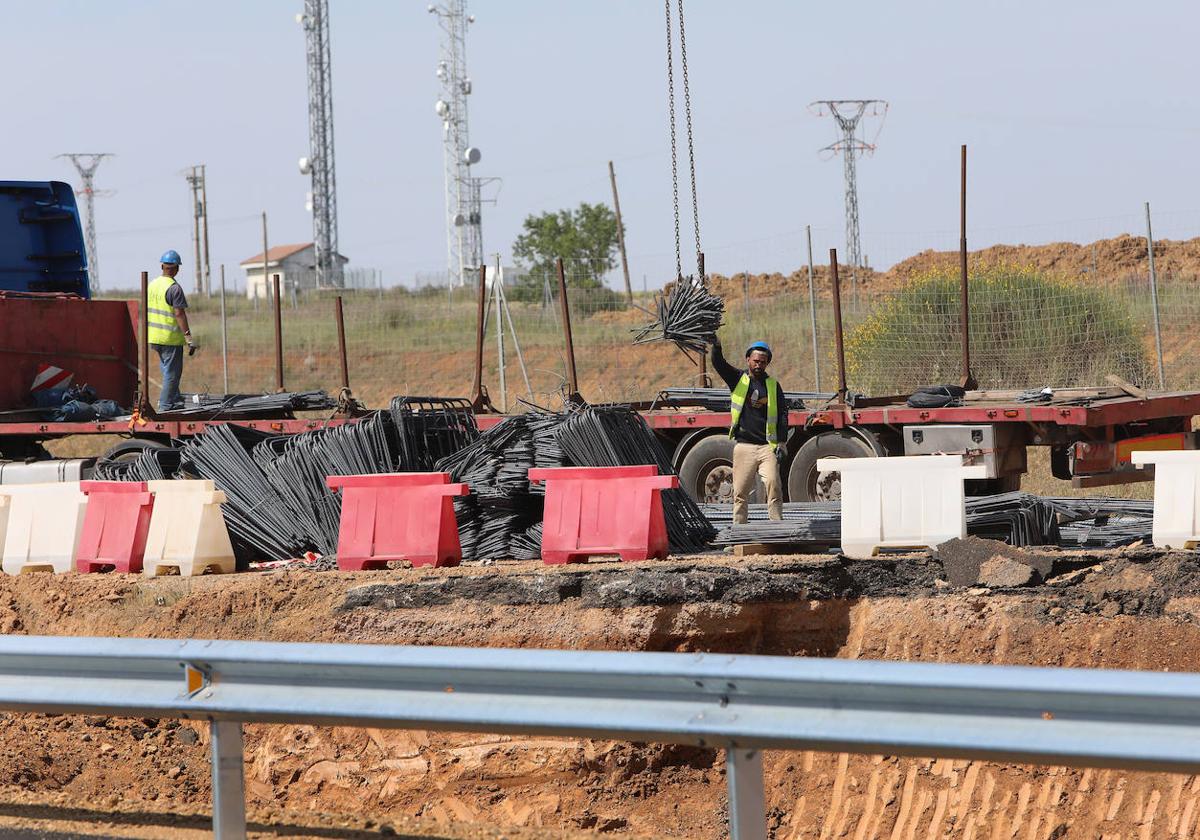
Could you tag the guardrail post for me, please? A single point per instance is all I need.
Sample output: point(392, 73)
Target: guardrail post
point(228, 781)
point(747, 801)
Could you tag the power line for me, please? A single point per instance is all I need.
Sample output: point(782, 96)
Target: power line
point(848, 113)
point(86, 164)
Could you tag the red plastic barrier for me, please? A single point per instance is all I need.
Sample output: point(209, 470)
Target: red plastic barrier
point(115, 525)
point(603, 510)
point(397, 516)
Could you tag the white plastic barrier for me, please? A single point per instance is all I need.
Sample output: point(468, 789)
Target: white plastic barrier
point(43, 526)
point(1176, 497)
point(912, 501)
point(187, 530)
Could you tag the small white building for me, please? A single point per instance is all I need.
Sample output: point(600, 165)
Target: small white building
point(296, 266)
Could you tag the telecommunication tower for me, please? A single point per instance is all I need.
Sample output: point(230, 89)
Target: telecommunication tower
point(320, 161)
point(86, 163)
point(848, 114)
point(464, 240)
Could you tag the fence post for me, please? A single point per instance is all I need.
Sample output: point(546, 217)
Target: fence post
point(278, 339)
point(747, 799)
point(224, 334)
point(812, 311)
point(1162, 386)
point(228, 780)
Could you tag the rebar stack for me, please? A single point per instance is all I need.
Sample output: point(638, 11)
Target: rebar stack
point(431, 428)
point(617, 437)
point(251, 405)
point(688, 314)
point(150, 465)
point(498, 518)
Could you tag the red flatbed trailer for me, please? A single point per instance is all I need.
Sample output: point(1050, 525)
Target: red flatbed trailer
point(1091, 432)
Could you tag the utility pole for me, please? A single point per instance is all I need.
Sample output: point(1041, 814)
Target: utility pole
point(320, 161)
point(195, 179)
point(848, 113)
point(612, 176)
point(85, 164)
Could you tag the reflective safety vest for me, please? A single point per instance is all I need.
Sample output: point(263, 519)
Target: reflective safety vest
point(160, 317)
point(737, 401)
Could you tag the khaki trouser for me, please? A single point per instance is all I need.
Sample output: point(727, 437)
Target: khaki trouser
point(749, 462)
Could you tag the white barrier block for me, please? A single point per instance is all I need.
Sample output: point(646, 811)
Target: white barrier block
point(914, 501)
point(43, 526)
point(1176, 500)
point(187, 530)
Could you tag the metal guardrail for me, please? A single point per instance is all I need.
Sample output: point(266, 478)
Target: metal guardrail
point(741, 704)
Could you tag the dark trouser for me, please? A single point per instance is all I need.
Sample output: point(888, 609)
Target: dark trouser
point(170, 360)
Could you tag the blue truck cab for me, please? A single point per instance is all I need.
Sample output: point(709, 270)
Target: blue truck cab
point(41, 241)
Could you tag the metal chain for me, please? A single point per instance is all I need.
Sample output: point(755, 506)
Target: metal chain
point(687, 109)
point(674, 161)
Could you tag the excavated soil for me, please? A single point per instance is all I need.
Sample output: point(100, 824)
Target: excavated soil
point(1103, 260)
point(1137, 610)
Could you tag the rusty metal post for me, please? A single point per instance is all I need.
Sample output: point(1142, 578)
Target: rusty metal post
point(278, 339)
point(144, 346)
point(837, 324)
point(968, 379)
point(705, 382)
point(478, 397)
point(572, 378)
point(341, 325)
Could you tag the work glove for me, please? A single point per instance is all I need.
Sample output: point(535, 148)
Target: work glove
point(781, 454)
point(716, 343)
point(191, 345)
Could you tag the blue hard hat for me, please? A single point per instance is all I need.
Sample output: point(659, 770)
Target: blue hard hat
point(759, 345)
point(171, 258)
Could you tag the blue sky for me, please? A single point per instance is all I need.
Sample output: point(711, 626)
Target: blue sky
point(1075, 113)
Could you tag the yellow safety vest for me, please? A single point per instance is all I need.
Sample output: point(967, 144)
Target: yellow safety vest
point(737, 401)
point(160, 317)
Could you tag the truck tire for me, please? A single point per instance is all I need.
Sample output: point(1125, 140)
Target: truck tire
point(706, 473)
point(806, 483)
point(127, 450)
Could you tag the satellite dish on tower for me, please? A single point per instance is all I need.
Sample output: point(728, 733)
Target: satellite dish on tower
point(441, 108)
point(305, 166)
point(472, 155)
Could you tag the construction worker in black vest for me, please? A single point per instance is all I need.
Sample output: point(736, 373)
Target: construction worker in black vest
point(758, 428)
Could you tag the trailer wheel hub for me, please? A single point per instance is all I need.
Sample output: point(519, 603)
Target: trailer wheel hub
point(718, 485)
point(828, 487)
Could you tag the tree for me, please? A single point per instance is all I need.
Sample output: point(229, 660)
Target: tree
point(585, 238)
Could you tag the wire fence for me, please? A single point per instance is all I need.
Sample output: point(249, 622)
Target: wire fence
point(1031, 326)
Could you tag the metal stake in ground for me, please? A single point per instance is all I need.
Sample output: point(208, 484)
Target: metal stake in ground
point(1154, 300)
point(968, 379)
point(572, 379)
point(341, 328)
point(224, 334)
point(278, 339)
point(144, 349)
point(837, 325)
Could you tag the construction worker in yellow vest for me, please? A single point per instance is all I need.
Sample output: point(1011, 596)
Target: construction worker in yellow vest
point(758, 428)
point(169, 333)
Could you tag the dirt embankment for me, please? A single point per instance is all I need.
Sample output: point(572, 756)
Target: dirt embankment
point(1105, 259)
point(1135, 611)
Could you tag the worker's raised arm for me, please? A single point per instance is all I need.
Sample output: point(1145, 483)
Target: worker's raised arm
point(726, 371)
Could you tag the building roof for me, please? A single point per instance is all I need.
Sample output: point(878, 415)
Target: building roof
point(279, 252)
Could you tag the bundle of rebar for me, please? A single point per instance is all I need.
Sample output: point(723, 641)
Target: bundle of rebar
point(431, 428)
point(258, 519)
point(251, 405)
point(1103, 523)
point(688, 314)
point(297, 467)
point(618, 437)
point(496, 520)
point(149, 465)
point(1020, 519)
point(717, 399)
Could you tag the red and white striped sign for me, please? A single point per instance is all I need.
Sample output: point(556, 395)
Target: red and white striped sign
point(49, 376)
